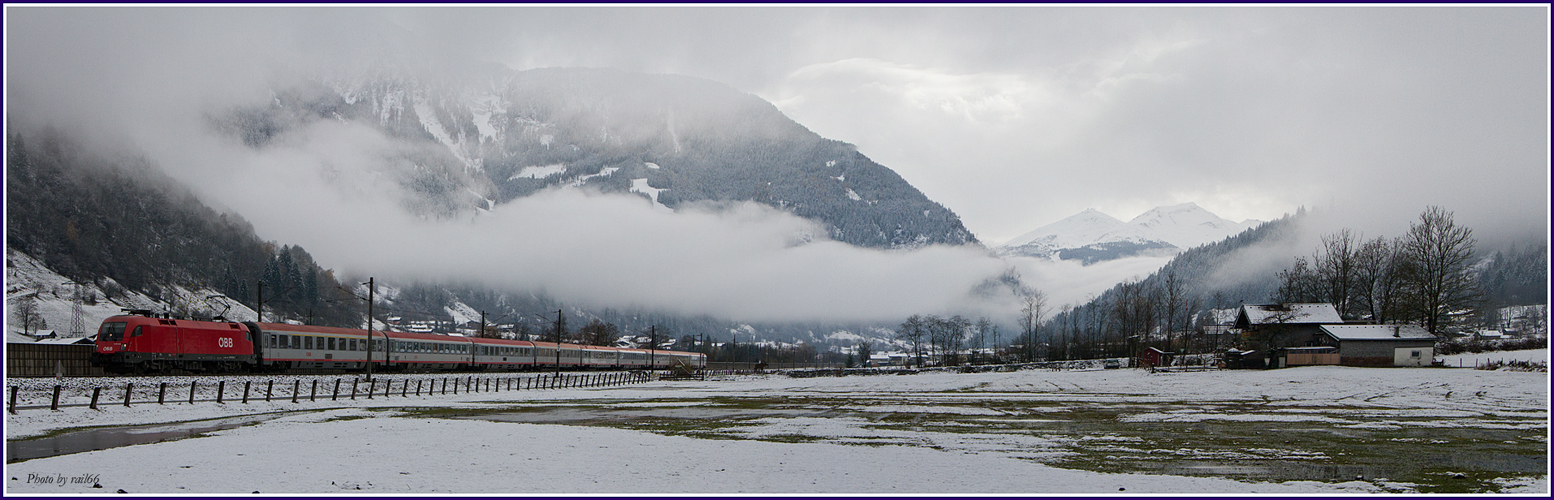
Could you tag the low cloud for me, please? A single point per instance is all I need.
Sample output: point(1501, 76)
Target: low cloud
point(323, 189)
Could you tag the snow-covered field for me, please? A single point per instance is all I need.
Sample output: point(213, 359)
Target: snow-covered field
point(1471, 359)
point(1031, 431)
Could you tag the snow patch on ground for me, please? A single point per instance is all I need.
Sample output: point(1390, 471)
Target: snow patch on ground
point(539, 171)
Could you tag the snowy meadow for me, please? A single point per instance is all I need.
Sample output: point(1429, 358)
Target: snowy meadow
point(1289, 431)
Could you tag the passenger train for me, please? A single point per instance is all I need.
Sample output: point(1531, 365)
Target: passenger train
point(139, 342)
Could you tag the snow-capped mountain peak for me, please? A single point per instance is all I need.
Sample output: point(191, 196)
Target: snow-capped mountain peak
point(1093, 236)
point(1186, 225)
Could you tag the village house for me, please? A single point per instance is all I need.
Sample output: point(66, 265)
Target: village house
point(1286, 325)
point(1380, 345)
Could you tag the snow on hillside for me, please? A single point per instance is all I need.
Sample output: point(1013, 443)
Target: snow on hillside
point(539, 172)
point(26, 277)
point(641, 186)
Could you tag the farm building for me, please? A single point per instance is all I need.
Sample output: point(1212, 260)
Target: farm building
point(1152, 357)
point(1252, 316)
point(1286, 325)
point(1380, 345)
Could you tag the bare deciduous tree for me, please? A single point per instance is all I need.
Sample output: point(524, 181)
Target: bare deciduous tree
point(911, 331)
point(1438, 256)
point(28, 313)
point(1030, 320)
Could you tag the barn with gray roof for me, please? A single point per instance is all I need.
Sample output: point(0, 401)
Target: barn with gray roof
point(1380, 345)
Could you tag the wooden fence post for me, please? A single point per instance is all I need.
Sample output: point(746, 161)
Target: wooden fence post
point(246, 385)
point(55, 405)
point(296, 387)
point(161, 393)
point(95, 392)
point(129, 388)
point(221, 389)
point(192, 385)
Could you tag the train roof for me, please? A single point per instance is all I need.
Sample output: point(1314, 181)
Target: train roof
point(429, 337)
point(334, 330)
point(484, 340)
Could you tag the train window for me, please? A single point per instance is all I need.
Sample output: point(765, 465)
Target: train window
point(353, 345)
point(137, 332)
point(285, 339)
point(331, 343)
point(269, 340)
point(111, 331)
point(307, 342)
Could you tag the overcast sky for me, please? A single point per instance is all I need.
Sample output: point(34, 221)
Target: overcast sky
point(1013, 117)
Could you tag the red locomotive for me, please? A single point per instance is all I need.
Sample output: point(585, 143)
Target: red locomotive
point(140, 342)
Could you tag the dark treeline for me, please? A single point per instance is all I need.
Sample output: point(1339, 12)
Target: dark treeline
point(122, 225)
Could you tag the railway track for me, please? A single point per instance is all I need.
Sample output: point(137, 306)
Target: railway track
point(99, 392)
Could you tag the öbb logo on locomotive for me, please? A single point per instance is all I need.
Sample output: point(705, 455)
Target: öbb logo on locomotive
point(140, 342)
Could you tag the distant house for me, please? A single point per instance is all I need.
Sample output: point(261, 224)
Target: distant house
point(1286, 325)
point(1380, 345)
point(1489, 335)
point(1152, 357)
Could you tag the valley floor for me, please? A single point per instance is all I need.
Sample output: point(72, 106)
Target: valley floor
point(1290, 431)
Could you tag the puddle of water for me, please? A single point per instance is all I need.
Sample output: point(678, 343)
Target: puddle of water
point(582, 415)
point(114, 437)
point(1281, 471)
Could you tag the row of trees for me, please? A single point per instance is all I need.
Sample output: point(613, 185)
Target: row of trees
point(944, 338)
point(1425, 276)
